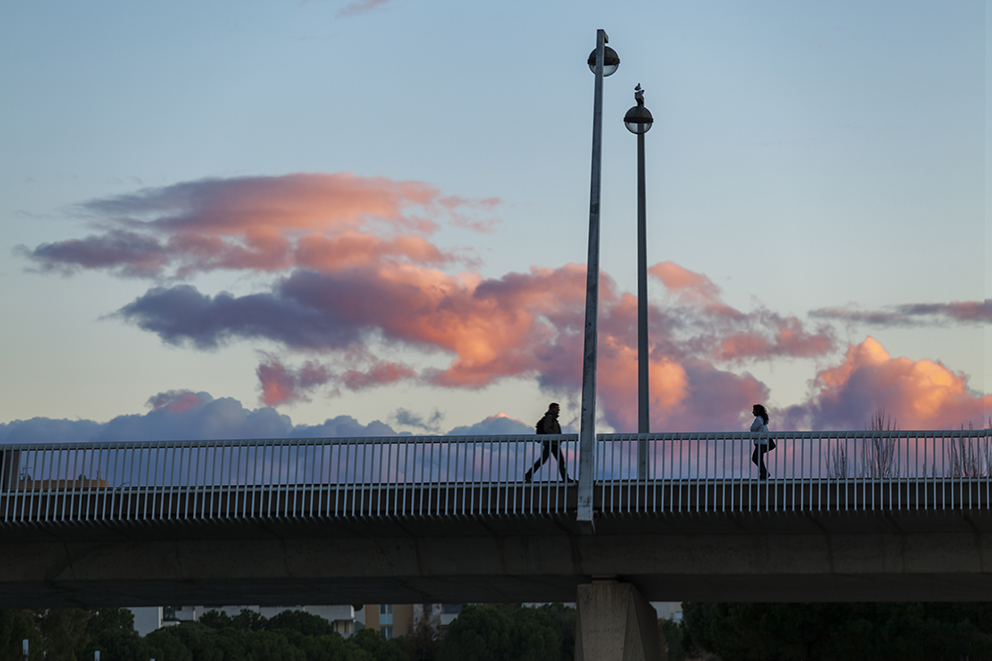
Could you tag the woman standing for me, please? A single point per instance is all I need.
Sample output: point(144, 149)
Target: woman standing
point(762, 444)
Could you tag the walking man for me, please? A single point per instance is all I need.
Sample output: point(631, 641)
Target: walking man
point(549, 425)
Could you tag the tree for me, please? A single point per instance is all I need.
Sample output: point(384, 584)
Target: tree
point(671, 640)
point(17, 624)
point(306, 624)
point(878, 454)
point(271, 646)
point(424, 642)
point(216, 620)
point(111, 630)
point(813, 632)
point(376, 645)
point(562, 617)
point(63, 631)
point(503, 632)
point(333, 648)
point(164, 644)
point(248, 620)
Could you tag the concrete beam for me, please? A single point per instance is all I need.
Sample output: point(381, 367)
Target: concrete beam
point(780, 557)
point(943, 559)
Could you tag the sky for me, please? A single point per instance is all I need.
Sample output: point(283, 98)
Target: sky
point(334, 218)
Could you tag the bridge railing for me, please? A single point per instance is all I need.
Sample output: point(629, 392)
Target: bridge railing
point(282, 478)
point(467, 475)
point(689, 472)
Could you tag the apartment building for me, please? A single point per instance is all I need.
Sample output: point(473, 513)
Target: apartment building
point(390, 620)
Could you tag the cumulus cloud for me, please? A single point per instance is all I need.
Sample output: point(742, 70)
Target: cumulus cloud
point(725, 333)
point(913, 314)
point(350, 265)
point(920, 394)
point(317, 221)
point(527, 325)
point(494, 425)
point(186, 415)
point(429, 424)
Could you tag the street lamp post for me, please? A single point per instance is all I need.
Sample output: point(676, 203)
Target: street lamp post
point(603, 61)
point(638, 120)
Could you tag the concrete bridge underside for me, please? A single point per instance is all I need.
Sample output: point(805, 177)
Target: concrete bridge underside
point(828, 556)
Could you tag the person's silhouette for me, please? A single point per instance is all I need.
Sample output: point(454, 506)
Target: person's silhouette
point(549, 425)
point(762, 444)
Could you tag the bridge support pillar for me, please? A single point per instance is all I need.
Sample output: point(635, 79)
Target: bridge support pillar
point(615, 623)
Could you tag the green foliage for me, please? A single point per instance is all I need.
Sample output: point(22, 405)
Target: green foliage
point(216, 620)
point(63, 631)
point(306, 624)
point(376, 645)
point(504, 632)
point(248, 620)
point(272, 646)
point(111, 630)
point(497, 632)
point(812, 632)
point(289, 636)
point(16, 624)
point(424, 642)
point(166, 646)
point(671, 640)
point(563, 618)
point(333, 648)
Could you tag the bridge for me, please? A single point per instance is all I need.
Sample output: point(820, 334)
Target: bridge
point(845, 516)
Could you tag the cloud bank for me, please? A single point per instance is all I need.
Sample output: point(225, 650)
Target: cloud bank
point(263, 224)
point(914, 314)
point(348, 272)
point(186, 415)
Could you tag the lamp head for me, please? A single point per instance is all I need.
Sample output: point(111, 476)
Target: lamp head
point(611, 61)
point(638, 119)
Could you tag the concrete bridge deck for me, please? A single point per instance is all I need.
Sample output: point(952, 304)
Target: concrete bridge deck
point(450, 540)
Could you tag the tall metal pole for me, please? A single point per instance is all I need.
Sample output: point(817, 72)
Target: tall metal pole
point(643, 417)
point(638, 120)
point(587, 431)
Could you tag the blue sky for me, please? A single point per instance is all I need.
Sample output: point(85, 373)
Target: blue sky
point(818, 168)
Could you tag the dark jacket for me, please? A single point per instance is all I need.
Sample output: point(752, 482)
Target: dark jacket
point(549, 424)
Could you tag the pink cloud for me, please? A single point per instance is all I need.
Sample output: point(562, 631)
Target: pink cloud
point(690, 286)
point(177, 401)
point(523, 325)
point(380, 373)
point(270, 224)
point(354, 267)
point(920, 394)
point(282, 385)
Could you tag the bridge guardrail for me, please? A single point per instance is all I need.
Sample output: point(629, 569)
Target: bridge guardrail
point(808, 471)
point(282, 478)
point(438, 476)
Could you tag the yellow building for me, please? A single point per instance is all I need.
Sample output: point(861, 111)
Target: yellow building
point(390, 619)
